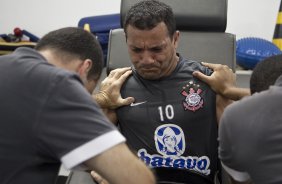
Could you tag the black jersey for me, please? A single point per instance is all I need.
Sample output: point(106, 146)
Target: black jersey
point(172, 122)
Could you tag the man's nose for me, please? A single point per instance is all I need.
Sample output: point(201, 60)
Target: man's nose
point(147, 58)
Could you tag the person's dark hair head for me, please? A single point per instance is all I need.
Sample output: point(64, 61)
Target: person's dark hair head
point(147, 14)
point(265, 73)
point(73, 42)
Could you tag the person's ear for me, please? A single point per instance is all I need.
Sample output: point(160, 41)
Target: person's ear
point(85, 68)
point(176, 39)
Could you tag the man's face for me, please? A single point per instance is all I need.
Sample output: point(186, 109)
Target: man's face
point(152, 52)
point(170, 141)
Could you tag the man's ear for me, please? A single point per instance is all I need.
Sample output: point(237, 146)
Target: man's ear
point(85, 68)
point(176, 39)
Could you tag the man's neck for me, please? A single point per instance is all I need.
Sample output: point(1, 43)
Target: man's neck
point(53, 59)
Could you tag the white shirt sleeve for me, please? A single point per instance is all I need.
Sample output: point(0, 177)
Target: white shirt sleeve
point(91, 149)
point(236, 175)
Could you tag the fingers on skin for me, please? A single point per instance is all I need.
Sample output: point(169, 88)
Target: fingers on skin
point(226, 67)
point(124, 76)
point(200, 76)
point(210, 65)
point(97, 177)
point(215, 67)
point(105, 83)
point(119, 78)
point(118, 72)
point(128, 100)
point(119, 75)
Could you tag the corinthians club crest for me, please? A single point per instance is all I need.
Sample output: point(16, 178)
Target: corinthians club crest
point(193, 100)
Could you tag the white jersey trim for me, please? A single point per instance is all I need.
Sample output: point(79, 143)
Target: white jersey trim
point(236, 175)
point(91, 149)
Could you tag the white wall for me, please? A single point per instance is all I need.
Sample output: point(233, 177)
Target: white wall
point(245, 17)
point(42, 16)
point(252, 18)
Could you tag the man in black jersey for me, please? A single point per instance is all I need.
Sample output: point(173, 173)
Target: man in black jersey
point(172, 124)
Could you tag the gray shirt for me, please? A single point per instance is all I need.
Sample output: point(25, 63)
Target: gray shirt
point(250, 137)
point(47, 117)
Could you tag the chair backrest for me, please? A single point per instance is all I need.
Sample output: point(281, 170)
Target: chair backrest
point(202, 25)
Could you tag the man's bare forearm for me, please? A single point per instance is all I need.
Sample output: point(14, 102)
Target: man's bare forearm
point(235, 93)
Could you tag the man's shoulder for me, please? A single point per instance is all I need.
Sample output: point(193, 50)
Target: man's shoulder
point(52, 74)
point(253, 105)
point(32, 64)
point(240, 106)
point(193, 65)
point(132, 85)
point(47, 77)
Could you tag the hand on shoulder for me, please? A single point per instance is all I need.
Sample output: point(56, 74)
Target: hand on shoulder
point(109, 93)
point(222, 81)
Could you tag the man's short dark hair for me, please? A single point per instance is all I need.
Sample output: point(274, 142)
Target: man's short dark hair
point(265, 73)
point(146, 15)
point(73, 42)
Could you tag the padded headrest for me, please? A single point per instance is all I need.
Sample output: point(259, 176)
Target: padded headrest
point(193, 15)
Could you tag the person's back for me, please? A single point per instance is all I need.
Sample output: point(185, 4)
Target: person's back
point(255, 154)
point(26, 87)
point(250, 136)
point(48, 117)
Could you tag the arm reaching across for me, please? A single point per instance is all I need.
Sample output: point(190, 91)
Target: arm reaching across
point(222, 81)
point(127, 167)
point(221, 103)
point(98, 179)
